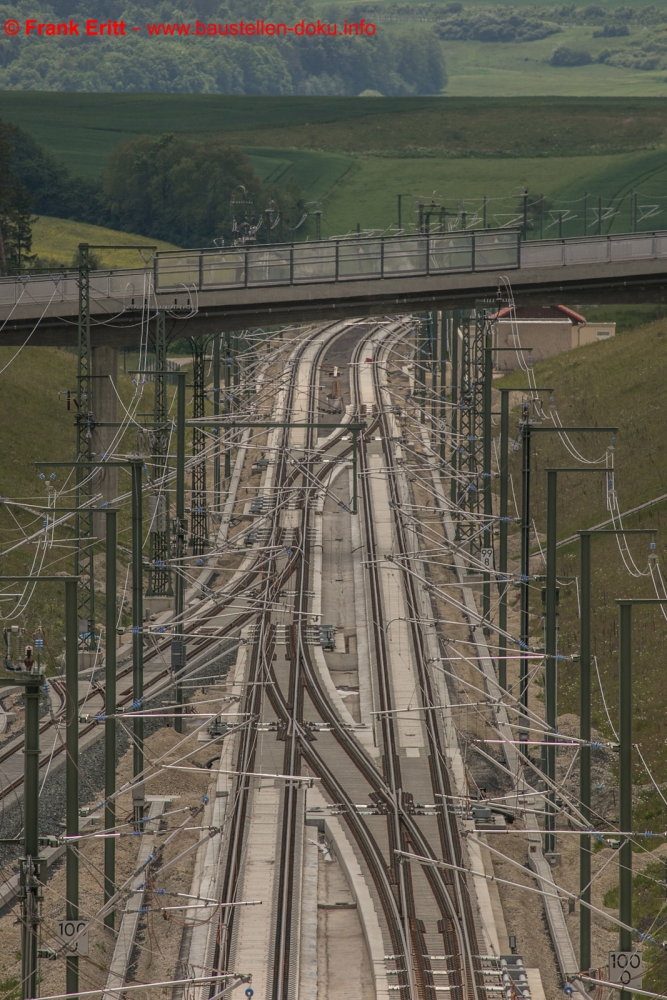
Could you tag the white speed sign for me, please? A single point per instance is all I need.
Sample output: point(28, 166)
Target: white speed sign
point(486, 557)
point(69, 930)
point(626, 968)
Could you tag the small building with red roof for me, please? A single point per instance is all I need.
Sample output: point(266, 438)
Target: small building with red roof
point(539, 332)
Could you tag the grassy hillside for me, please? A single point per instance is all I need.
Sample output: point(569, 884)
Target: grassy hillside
point(514, 70)
point(317, 173)
point(358, 154)
point(83, 128)
point(31, 384)
point(617, 382)
point(615, 181)
point(368, 193)
point(58, 239)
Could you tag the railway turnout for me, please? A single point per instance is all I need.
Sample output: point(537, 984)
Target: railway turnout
point(336, 696)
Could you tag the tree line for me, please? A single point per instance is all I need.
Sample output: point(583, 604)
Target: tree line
point(191, 192)
point(400, 63)
point(559, 14)
point(15, 208)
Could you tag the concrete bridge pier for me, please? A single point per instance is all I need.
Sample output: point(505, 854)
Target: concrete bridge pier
point(105, 410)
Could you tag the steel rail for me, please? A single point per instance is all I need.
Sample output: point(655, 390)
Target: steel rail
point(370, 851)
point(292, 758)
point(376, 780)
point(447, 907)
point(369, 848)
point(449, 834)
point(126, 696)
point(261, 659)
point(391, 763)
point(290, 711)
point(283, 946)
point(378, 866)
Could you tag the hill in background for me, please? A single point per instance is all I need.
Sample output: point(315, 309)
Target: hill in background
point(355, 156)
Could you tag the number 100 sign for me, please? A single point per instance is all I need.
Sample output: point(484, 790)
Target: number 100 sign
point(74, 931)
point(626, 968)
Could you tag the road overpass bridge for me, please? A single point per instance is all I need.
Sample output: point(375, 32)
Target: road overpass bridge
point(218, 289)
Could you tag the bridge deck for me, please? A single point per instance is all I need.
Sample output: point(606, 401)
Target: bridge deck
point(237, 287)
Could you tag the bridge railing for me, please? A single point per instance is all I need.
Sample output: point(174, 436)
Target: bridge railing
point(340, 260)
point(337, 260)
point(122, 285)
point(593, 249)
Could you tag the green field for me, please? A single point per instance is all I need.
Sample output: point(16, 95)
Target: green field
point(316, 173)
point(368, 193)
point(58, 239)
point(514, 70)
point(82, 129)
point(644, 171)
point(356, 155)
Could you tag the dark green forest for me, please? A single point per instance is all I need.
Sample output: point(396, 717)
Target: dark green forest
point(187, 191)
point(15, 206)
point(192, 191)
point(405, 63)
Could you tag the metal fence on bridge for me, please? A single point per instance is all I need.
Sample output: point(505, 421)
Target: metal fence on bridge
point(338, 260)
point(593, 250)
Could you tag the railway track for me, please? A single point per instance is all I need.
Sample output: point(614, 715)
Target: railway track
point(453, 894)
point(156, 683)
point(259, 674)
point(298, 693)
point(421, 908)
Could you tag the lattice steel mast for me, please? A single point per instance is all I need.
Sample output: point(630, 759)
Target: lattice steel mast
point(199, 505)
point(159, 576)
point(84, 551)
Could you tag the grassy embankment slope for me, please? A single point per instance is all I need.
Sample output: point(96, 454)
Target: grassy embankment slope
point(58, 239)
point(358, 154)
point(35, 425)
point(614, 383)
